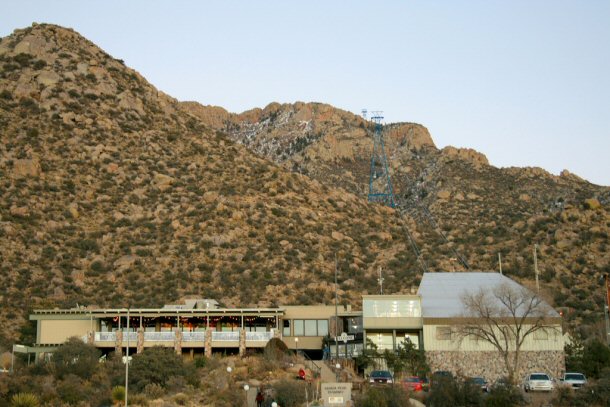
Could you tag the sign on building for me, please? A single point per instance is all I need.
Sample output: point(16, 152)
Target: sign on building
point(337, 394)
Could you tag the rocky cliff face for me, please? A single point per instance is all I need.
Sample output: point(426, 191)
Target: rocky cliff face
point(476, 211)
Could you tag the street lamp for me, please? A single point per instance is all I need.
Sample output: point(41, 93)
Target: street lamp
point(274, 404)
point(296, 344)
point(246, 388)
point(338, 367)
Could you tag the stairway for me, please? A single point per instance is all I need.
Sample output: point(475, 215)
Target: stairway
point(326, 373)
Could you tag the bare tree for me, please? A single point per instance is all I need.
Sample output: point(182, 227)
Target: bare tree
point(504, 317)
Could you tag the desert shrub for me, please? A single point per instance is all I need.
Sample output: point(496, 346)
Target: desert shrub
point(71, 390)
point(504, 396)
point(154, 390)
point(201, 362)
point(383, 397)
point(157, 365)
point(24, 400)
point(118, 394)
point(275, 349)
point(74, 357)
point(181, 399)
point(448, 392)
point(290, 393)
point(565, 397)
point(138, 400)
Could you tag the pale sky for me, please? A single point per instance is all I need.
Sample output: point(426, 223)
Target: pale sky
point(527, 83)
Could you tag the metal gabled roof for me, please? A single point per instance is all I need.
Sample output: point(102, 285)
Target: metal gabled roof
point(442, 292)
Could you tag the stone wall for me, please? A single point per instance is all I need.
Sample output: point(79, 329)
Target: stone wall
point(490, 364)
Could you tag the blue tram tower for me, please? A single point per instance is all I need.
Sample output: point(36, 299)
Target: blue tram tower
point(380, 184)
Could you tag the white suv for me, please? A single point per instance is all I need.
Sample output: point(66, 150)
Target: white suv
point(538, 381)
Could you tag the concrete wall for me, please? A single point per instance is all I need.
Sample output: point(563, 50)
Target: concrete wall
point(57, 331)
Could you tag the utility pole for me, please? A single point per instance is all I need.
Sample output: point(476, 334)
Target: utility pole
point(607, 309)
point(380, 279)
point(127, 360)
point(500, 262)
point(336, 312)
point(536, 267)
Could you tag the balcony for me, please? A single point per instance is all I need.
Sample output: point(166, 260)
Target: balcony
point(259, 336)
point(193, 336)
point(225, 336)
point(159, 336)
point(196, 338)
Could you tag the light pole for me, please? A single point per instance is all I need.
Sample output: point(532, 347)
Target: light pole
point(246, 388)
point(296, 344)
point(274, 404)
point(338, 367)
point(127, 360)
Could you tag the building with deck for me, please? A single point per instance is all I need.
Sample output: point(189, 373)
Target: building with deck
point(426, 319)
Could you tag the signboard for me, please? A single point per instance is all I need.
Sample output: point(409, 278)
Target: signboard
point(336, 394)
point(345, 337)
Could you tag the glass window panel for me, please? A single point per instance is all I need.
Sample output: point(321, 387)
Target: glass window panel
point(299, 329)
point(286, 327)
point(322, 327)
point(392, 308)
point(382, 340)
point(311, 327)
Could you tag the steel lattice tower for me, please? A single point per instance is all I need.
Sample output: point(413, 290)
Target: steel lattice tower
point(380, 185)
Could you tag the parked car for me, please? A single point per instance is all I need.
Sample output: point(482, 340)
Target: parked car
point(538, 381)
point(480, 382)
point(414, 383)
point(380, 377)
point(575, 380)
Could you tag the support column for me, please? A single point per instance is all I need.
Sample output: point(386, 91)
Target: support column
point(118, 344)
point(242, 342)
point(140, 346)
point(208, 343)
point(178, 341)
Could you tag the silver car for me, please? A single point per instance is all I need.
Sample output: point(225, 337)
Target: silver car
point(538, 382)
point(575, 380)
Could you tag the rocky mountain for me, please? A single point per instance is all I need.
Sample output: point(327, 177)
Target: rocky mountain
point(112, 193)
point(464, 207)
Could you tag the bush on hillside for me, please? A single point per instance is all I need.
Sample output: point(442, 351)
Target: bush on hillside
point(76, 358)
point(383, 397)
point(158, 365)
point(275, 349)
point(24, 400)
point(290, 393)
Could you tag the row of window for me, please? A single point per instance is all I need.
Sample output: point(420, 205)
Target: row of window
point(306, 327)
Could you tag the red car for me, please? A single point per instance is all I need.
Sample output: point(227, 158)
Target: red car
point(413, 383)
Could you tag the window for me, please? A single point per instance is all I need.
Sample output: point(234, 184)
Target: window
point(299, 329)
point(310, 327)
point(541, 335)
point(322, 327)
point(286, 327)
point(443, 333)
point(392, 308)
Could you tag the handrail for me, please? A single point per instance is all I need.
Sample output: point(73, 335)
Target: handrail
point(314, 365)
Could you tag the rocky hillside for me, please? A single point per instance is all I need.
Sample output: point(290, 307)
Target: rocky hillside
point(112, 193)
point(464, 206)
